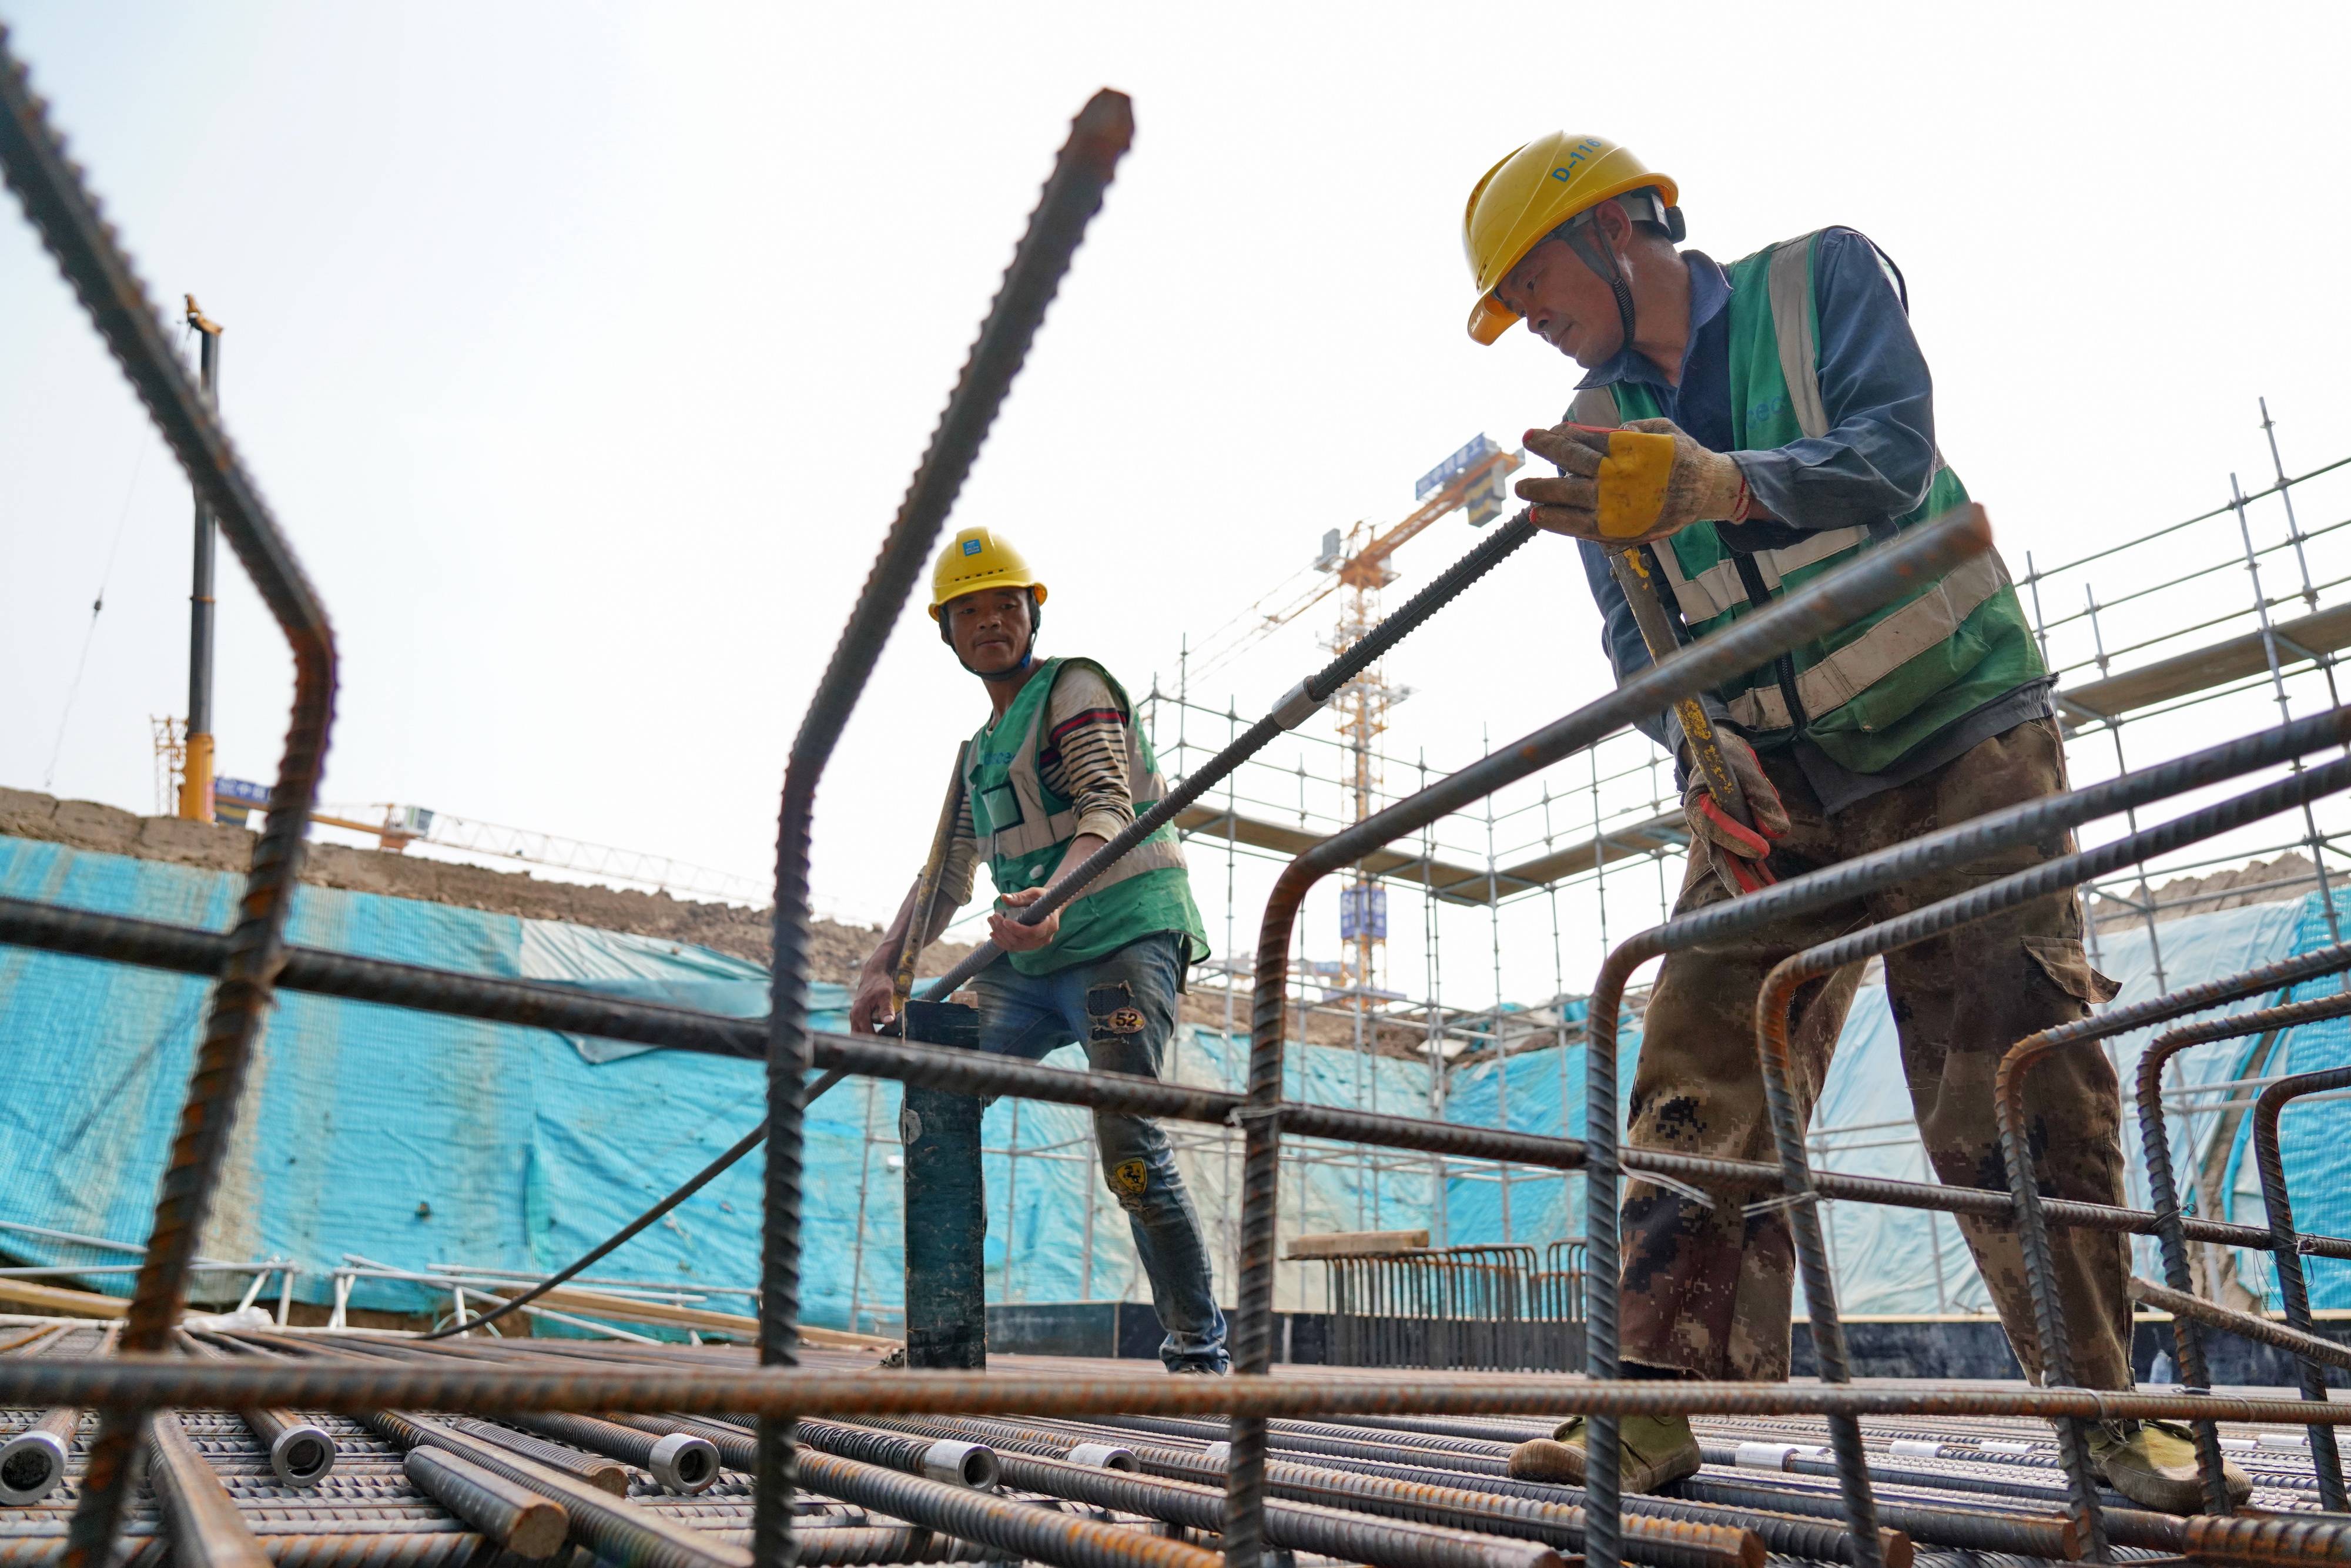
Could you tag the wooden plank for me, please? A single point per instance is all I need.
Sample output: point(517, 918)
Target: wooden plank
point(57, 1299)
point(2202, 669)
point(1357, 1243)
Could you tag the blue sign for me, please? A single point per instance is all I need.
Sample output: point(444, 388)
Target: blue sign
point(244, 792)
point(1453, 467)
point(1363, 912)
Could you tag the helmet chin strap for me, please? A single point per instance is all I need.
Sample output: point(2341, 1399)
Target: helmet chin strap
point(1589, 241)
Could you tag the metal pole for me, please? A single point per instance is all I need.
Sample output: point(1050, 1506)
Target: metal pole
point(197, 774)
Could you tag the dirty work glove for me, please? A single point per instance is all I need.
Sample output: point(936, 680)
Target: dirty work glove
point(1631, 486)
point(1731, 849)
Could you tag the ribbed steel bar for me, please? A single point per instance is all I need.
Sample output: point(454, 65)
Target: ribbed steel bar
point(205, 1527)
point(611, 1527)
point(347, 1385)
point(301, 1452)
point(49, 184)
point(1836, 600)
point(607, 1474)
point(1434, 1496)
point(2245, 1325)
point(534, 1005)
point(1772, 1031)
point(1833, 884)
point(1853, 879)
point(522, 1522)
point(283, 1548)
point(2273, 1541)
point(1292, 709)
point(1056, 1538)
point(1198, 1504)
point(2008, 1103)
point(2163, 1191)
point(1099, 137)
point(2293, 1291)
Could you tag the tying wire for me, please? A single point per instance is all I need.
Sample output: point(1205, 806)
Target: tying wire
point(90, 633)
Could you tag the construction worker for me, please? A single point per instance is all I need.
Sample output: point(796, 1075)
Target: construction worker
point(1789, 426)
point(1059, 770)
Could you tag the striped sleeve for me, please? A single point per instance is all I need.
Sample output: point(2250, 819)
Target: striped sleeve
point(1083, 758)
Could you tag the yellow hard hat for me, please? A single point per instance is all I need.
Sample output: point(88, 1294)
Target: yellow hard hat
point(1533, 192)
point(975, 559)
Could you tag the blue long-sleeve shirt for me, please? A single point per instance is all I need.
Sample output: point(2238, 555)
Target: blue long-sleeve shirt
point(1873, 463)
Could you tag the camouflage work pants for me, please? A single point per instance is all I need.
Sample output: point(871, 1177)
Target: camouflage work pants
point(1707, 1291)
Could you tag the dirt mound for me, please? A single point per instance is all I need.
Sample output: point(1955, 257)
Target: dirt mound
point(836, 950)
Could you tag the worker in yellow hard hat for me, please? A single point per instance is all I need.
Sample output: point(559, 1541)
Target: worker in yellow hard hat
point(1751, 427)
point(1058, 770)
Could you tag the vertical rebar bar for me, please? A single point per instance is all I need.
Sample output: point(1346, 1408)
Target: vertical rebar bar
point(2285, 1255)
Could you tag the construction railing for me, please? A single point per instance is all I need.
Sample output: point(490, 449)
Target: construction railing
point(1487, 1307)
point(386, 1379)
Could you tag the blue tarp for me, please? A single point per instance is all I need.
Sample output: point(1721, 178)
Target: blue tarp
point(418, 1141)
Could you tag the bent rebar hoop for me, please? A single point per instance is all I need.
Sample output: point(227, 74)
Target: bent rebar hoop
point(1836, 600)
point(1083, 171)
point(2163, 1187)
point(2293, 1291)
point(50, 186)
point(1776, 1002)
point(1960, 845)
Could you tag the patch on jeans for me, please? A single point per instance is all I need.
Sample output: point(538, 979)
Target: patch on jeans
point(1129, 1180)
point(1113, 1009)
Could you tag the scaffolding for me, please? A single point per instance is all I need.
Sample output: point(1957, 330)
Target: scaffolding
point(1545, 872)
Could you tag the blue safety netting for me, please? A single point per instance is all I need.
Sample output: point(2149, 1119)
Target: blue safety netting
point(418, 1142)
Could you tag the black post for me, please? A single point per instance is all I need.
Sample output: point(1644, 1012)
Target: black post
point(196, 778)
point(946, 1205)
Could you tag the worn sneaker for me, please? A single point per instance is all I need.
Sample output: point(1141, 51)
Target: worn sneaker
point(1659, 1450)
point(2153, 1463)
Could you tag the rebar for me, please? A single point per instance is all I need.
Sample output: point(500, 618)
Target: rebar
point(522, 1522)
point(49, 184)
point(1055, 1538)
point(33, 1463)
point(1073, 194)
point(2163, 1192)
point(609, 1526)
point(606, 1475)
point(2271, 1541)
point(958, 1462)
point(1835, 599)
point(2294, 1292)
point(683, 1462)
point(1198, 1504)
point(301, 1452)
point(203, 1523)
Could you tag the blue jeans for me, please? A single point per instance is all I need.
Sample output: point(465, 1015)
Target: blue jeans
point(1121, 1008)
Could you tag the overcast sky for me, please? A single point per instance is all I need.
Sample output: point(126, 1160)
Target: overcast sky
point(584, 352)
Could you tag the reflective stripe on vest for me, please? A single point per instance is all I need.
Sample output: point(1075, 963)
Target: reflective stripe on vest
point(1919, 625)
point(1038, 829)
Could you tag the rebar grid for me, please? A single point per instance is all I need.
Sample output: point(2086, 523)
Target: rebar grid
point(129, 1387)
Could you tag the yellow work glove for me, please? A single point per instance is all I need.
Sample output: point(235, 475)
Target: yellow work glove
point(1633, 484)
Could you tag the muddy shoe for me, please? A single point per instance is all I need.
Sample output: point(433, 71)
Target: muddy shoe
point(2153, 1463)
point(1659, 1450)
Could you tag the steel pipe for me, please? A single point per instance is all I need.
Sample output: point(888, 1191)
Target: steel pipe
point(301, 1452)
point(2294, 1292)
point(1836, 600)
point(33, 1463)
point(955, 1461)
point(681, 1462)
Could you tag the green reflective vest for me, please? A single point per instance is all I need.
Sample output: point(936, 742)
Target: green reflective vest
point(1024, 828)
point(1870, 693)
